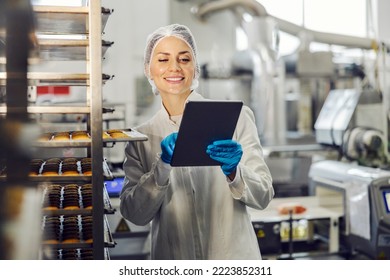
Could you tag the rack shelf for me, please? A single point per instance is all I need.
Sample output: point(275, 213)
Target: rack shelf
point(67, 49)
point(48, 78)
point(57, 109)
point(128, 136)
point(83, 28)
point(66, 20)
point(33, 109)
point(108, 242)
point(67, 34)
point(53, 49)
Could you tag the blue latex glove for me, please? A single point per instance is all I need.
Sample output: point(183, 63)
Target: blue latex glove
point(227, 152)
point(167, 147)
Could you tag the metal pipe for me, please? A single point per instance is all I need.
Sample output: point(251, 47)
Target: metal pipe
point(325, 37)
point(203, 10)
point(252, 6)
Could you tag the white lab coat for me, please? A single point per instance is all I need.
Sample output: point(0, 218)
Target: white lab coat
point(199, 213)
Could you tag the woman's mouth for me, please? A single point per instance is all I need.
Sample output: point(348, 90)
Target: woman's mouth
point(174, 79)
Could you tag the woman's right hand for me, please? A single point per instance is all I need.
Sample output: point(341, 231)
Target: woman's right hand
point(167, 147)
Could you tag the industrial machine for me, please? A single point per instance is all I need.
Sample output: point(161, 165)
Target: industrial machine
point(343, 124)
point(359, 181)
point(364, 196)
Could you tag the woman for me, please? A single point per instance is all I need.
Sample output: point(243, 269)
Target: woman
point(196, 212)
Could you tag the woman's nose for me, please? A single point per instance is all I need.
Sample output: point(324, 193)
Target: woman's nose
point(174, 65)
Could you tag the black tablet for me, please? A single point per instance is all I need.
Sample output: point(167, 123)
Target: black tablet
point(203, 122)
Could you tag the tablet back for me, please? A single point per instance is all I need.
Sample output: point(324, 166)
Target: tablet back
point(204, 122)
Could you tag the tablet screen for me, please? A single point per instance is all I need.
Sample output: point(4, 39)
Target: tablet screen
point(203, 122)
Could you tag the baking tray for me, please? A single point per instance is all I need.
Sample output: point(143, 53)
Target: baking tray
point(63, 178)
point(58, 79)
point(108, 209)
point(127, 134)
point(108, 239)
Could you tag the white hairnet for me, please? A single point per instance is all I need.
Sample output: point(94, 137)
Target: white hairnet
point(180, 31)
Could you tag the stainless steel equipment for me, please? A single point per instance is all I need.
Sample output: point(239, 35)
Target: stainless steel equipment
point(364, 195)
point(342, 124)
point(335, 116)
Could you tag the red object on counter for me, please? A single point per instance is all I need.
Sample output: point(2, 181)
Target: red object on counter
point(296, 208)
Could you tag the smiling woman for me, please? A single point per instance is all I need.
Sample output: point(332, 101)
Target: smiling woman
point(197, 212)
point(172, 68)
point(187, 50)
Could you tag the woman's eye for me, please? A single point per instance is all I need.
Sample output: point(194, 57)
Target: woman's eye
point(184, 59)
point(163, 60)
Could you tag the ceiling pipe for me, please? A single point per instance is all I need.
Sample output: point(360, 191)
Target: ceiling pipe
point(253, 7)
point(203, 10)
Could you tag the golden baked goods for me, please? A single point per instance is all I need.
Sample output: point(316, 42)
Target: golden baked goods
point(34, 169)
point(80, 135)
point(70, 230)
point(69, 169)
point(86, 166)
point(53, 160)
point(86, 227)
point(106, 135)
point(71, 196)
point(52, 197)
point(61, 136)
point(50, 169)
point(116, 133)
point(49, 174)
point(86, 160)
point(51, 230)
point(35, 166)
point(86, 195)
point(69, 254)
point(70, 160)
point(86, 254)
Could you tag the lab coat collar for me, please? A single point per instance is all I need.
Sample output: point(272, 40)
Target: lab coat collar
point(193, 96)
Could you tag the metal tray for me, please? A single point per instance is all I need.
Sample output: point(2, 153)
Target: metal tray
point(128, 135)
point(108, 240)
point(65, 20)
point(52, 109)
point(48, 78)
point(66, 49)
point(51, 49)
point(63, 178)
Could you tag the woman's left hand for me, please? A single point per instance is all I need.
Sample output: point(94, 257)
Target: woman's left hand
point(227, 152)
